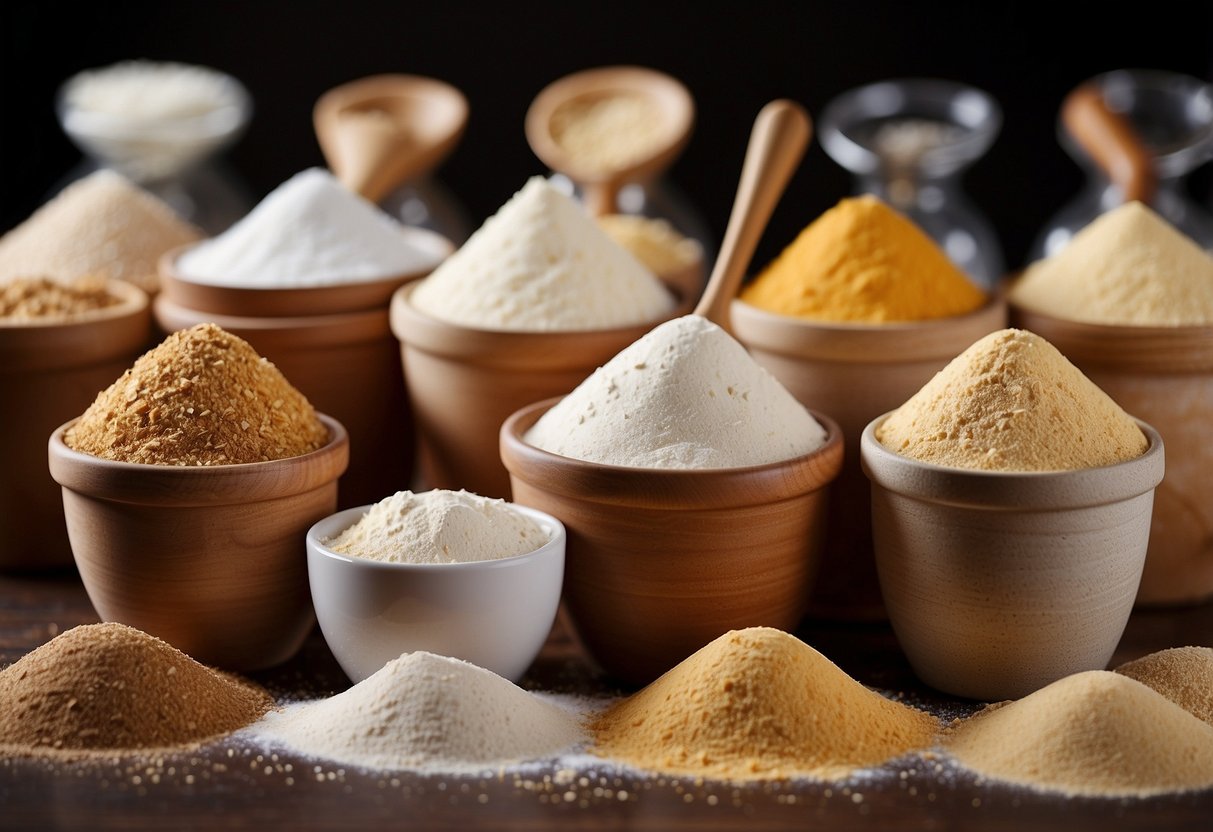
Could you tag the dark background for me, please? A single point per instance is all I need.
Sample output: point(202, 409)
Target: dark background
point(733, 57)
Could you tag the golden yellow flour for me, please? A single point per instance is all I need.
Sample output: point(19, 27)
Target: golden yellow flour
point(1128, 267)
point(863, 262)
point(1182, 674)
point(1012, 402)
point(758, 704)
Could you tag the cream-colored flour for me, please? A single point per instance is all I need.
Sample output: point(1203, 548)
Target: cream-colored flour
point(1182, 674)
point(1127, 267)
point(686, 395)
point(1012, 402)
point(439, 527)
point(541, 264)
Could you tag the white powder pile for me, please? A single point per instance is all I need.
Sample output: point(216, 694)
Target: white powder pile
point(149, 90)
point(425, 712)
point(686, 395)
point(541, 264)
point(440, 527)
point(310, 231)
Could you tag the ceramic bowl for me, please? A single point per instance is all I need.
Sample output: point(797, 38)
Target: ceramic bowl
point(209, 558)
point(855, 372)
point(1163, 375)
point(998, 584)
point(495, 613)
point(464, 382)
point(662, 561)
point(50, 372)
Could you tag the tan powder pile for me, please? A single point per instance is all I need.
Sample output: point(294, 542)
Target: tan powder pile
point(1012, 402)
point(202, 397)
point(654, 242)
point(102, 225)
point(608, 132)
point(110, 688)
point(758, 704)
point(1094, 733)
point(1128, 267)
point(1182, 674)
point(29, 299)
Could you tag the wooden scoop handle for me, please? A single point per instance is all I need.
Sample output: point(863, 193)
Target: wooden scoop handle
point(777, 143)
point(1110, 140)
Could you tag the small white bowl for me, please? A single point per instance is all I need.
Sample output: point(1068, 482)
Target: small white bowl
point(492, 613)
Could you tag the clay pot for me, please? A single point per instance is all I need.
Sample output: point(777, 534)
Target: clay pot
point(662, 561)
point(51, 372)
point(1163, 375)
point(998, 584)
point(348, 365)
point(855, 372)
point(464, 382)
point(209, 558)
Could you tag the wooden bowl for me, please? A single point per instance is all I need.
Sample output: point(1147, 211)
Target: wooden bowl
point(347, 365)
point(998, 584)
point(209, 558)
point(855, 372)
point(1163, 375)
point(49, 373)
point(249, 301)
point(662, 561)
point(463, 383)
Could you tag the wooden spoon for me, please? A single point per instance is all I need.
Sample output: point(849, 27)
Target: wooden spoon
point(1110, 140)
point(380, 132)
point(672, 104)
point(781, 134)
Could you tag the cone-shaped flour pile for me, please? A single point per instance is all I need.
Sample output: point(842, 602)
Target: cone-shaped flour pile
point(1012, 402)
point(758, 704)
point(1094, 733)
point(1182, 674)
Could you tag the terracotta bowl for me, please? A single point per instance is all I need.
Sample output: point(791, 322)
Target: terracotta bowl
point(348, 365)
point(661, 561)
point(209, 558)
point(464, 382)
point(245, 301)
point(49, 373)
point(1164, 376)
point(998, 584)
point(855, 372)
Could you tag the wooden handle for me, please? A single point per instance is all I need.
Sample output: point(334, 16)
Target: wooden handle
point(781, 134)
point(1110, 140)
point(601, 198)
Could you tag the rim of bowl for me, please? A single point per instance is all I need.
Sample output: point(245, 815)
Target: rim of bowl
point(131, 299)
point(617, 484)
point(555, 544)
point(1033, 490)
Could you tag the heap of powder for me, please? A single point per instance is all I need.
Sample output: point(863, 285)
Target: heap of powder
point(1094, 733)
point(439, 527)
point(653, 242)
point(310, 231)
point(202, 397)
point(424, 712)
point(608, 132)
point(109, 688)
point(148, 91)
point(863, 262)
point(686, 395)
point(541, 264)
point(1012, 402)
point(40, 299)
point(1128, 267)
point(1182, 674)
point(758, 704)
point(101, 225)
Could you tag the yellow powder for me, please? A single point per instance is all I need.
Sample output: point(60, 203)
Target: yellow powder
point(1128, 267)
point(1093, 733)
point(608, 132)
point(42, 300)
point(863, 262)
point(202, 397)
point(1012, 402)
point(101, 225)
point(653, 242)
point(1182, 674)
point(758, 704)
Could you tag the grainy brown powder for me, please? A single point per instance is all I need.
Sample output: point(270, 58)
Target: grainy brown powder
point(28, 299)
point(1182, 674)
point(202, 397)
point(102, 688)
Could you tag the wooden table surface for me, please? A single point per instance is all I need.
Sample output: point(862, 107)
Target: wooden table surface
point(229, 786)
